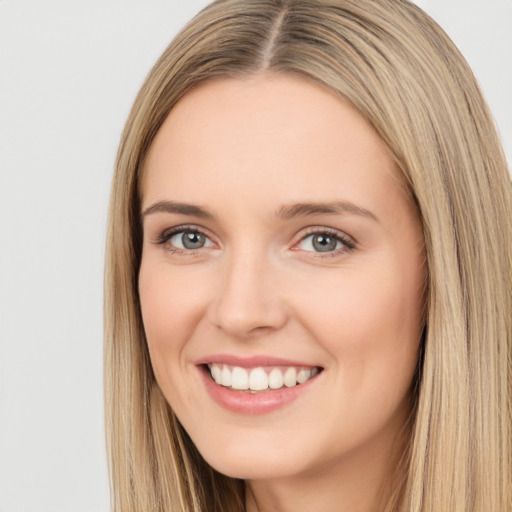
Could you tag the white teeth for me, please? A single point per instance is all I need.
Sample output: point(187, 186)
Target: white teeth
point(216, 373)
point(226, 377)
point(303, 375)
point(239, 378)
point(275, 379)
point(290, 377)
point(259, 379)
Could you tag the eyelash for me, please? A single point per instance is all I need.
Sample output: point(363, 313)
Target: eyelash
point(348, 243)
point(166, 235)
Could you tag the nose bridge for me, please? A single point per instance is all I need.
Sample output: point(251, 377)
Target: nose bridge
point(248, 299)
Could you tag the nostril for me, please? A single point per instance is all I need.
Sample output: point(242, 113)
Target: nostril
point(247, 304)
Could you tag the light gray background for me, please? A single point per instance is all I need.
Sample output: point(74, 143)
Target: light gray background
point(69, 71)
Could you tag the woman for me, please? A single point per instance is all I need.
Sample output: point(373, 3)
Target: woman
point(308, 300)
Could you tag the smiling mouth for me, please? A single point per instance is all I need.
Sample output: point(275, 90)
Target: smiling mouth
point(260, 379)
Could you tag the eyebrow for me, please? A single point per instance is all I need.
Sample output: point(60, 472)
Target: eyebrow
point(336, 207)
point(285, 212)
point(174, 207)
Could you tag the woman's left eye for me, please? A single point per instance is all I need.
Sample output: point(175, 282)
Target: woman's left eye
point(324, 242)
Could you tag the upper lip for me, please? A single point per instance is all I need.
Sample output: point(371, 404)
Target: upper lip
point(253, 361)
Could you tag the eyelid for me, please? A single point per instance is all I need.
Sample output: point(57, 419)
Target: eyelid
point(349, 243)
point(168, 233)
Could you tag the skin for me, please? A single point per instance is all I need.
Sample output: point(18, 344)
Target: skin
point(241, 149)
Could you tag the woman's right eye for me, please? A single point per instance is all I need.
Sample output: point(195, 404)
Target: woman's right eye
point(185, 240)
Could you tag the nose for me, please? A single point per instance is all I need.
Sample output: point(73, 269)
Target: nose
point(249, 299)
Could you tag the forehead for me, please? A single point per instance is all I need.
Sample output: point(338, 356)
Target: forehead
point(268, 136)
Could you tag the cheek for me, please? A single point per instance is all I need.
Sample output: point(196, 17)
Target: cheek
point(171, 307)
point(355, 305)
point(370, 323)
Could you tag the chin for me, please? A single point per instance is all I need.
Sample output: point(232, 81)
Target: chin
point(249, 469)
point(250, 462)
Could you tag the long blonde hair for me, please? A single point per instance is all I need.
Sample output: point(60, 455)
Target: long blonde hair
point(404, 75)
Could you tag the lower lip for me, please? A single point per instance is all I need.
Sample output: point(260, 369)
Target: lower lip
point(243, 402)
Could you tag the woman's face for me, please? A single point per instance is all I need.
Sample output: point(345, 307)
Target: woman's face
point(282, 254)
